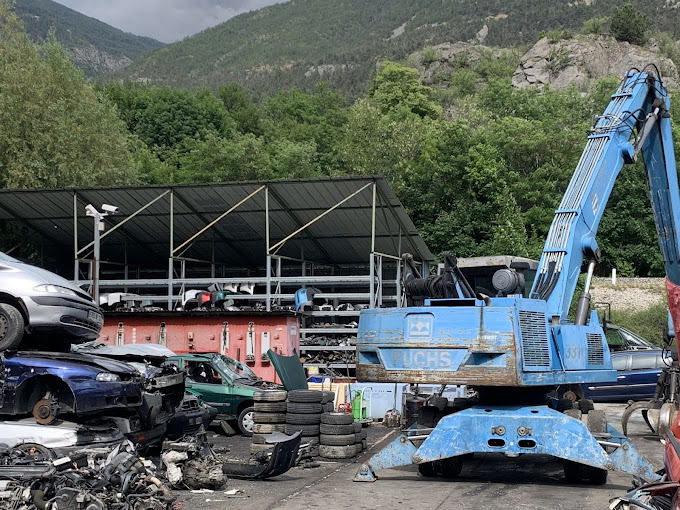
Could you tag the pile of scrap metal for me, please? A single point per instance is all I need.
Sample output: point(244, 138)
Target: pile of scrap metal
point(190, 463)
point(93, 479)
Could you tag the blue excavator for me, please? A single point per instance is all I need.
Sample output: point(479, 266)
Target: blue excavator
point(519, 350)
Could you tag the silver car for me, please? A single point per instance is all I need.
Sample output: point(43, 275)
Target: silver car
point(33, 300)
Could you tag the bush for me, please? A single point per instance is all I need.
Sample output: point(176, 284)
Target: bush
point(556, 35)
point(428, 55)
point(464, 82)
point(649, 323)
point(629, 25)
point(595, 25)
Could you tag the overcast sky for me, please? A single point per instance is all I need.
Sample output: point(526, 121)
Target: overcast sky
point(165, 20)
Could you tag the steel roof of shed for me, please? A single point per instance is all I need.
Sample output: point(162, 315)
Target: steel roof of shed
point(342, 236)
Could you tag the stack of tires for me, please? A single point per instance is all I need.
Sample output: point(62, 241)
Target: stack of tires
point(338, 436)
point(303, 414)
point(360, 435)
point(328, 401)
point(269, 416)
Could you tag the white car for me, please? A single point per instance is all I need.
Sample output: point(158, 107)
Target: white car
point(61, 439)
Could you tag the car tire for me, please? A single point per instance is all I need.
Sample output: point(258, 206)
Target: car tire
point(327, 428)
point(337, 439)
point(270, 407)
point(305, 430)
point(269, 417)
point(573, 471)
point(328, 396)
point(596, 476)
point(303, 419)
point(245, 421)
point(338, 418)
point(586, 405)
point(12, 326)
point(297, 407)
point(448, 467)
point(337, 452)
point(302, 396)
point(268, 428)
point(270, 396)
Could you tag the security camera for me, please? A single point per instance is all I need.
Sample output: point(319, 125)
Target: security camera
point(90, 210)
point(112, 209)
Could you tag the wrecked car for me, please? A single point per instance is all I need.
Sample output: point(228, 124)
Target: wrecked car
point(163, 385)
point(224, 383)
point(192, 416)
point(48, 384)
point(59, 439)
point(133, 392)
point(33, 300)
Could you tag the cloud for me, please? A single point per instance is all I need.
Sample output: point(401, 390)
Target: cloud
point(165, 20)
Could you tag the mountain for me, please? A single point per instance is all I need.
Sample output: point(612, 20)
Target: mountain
point(95, 46)
point(301, 42)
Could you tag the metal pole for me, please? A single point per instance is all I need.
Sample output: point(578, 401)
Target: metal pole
point(269, 282)
point(95, 259)
point(373, 220)
point(171, 268)
point(76, 268)
point(371, 275)
point(171, 271)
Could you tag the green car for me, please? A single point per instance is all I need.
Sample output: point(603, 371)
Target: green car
point(224, 383)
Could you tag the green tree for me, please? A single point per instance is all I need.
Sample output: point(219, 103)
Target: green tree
point(630, 25)
point(241, 108)
point(397, 87)
point(318, 117)
point(56, 130)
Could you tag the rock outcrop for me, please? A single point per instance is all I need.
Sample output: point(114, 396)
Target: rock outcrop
point(580, 60)
point(94, 61)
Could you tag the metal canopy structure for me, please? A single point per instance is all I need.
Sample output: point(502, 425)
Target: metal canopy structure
point(332, 221)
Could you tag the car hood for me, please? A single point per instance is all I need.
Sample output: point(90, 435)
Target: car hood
point(44, 276)
point(128, 352)
point(110, 365)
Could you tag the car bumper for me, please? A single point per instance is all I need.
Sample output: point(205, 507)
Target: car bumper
point(72, 317)
point(92, 397)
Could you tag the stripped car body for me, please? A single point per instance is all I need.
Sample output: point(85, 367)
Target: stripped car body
point(61, 439)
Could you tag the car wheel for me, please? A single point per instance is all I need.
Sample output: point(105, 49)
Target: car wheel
point(45, 411)
point(11, 327)
point(245, 421)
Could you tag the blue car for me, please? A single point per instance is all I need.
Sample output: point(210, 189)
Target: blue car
point(49, 384)
point(638, 372)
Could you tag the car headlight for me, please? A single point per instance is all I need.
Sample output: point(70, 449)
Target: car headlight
point(107, 377)
point(55, 289)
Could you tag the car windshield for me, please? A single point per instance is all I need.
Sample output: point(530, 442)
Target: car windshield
point(634, 340)
point(6, 258)
point(234, 369)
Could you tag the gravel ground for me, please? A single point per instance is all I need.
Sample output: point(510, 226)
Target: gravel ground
point(632, 294)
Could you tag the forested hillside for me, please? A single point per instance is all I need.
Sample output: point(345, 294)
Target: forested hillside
point(299, 43)
point(95, 46)
point(479, 165)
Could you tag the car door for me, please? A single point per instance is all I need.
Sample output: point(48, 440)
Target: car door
point(215, 389)
point(610, 391)
point(640, 380)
